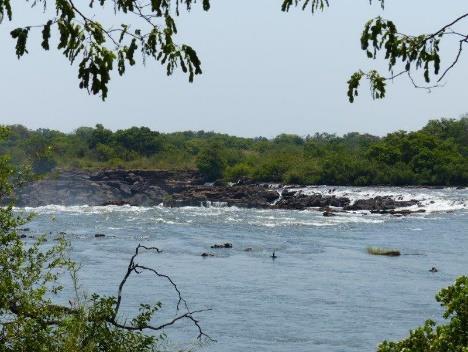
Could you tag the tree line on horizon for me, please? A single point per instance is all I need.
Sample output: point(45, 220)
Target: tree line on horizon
point(437, 154)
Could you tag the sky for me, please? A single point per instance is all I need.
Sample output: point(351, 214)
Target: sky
point(265, 72)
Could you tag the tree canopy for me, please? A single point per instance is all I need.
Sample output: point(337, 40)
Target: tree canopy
point(148, 28)
point(435, 155)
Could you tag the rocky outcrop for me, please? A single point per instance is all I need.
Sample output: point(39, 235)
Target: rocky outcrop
point(380, 204)
point(299, 201)
point(245, 196)
point(187, 188)
point(106, 187)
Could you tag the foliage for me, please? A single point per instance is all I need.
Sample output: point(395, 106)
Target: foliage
point(149, 28)
point(404, 53)
point(435, 155)
point(210, 163)
point(99, 49)
point(30, 282)
point(451, 336)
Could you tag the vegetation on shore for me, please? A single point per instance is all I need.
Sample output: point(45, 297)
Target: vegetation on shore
point(435, 155)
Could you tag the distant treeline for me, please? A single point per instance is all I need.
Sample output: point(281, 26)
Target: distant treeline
point(435, 155)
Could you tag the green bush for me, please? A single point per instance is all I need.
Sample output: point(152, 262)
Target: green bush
point(450, 336)
point(210, 163)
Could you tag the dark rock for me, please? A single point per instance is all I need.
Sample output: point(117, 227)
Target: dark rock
point(241, 196)
point(220, 183)
point(225, 245)
point(328, 213)
point(25, 229)
point(23, 236)
point(248, 249)
point(242, 181)
point(98, 235)
point(207, 255)
point(299, 201)
point(115, 202)
point(433, 269)
point(402, 212)
point(379, 204)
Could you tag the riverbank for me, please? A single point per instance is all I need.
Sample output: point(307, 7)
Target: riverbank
point(188, 188)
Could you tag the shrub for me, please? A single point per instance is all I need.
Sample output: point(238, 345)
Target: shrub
point(452, 336)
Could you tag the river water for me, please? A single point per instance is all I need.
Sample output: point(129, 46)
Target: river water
point(324, 292)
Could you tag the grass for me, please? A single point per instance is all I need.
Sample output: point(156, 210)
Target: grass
point(383, 251)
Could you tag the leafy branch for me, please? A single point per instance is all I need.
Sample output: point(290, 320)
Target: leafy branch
point(421, 52)
point(100, 49)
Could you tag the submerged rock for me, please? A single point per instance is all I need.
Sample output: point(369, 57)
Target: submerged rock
point(383, 251)
point(207, 255)
point(328, 213)
point(225, 245)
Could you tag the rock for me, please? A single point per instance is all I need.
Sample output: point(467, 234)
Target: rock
point(220, 183)
point(299, 201)
point(62, 233)
point(242, 181)
point(106, 187)
point(328, 213)
point(248, 249)
point(402, 212)
point(23, 236)
point(225, 245)
point(25, 229)
point(99, 235)
point(252, 196)
point(380, 203)
point(207, 255)
point(433, 269)
point(115, 202)
point(383, 251)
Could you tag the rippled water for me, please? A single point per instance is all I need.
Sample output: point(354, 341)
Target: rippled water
point(322, 293)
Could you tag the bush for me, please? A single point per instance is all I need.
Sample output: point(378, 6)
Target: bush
point(210, 163)
point(432, 337)
point(233, 173)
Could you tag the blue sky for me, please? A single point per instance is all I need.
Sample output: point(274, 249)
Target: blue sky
point(265, 73)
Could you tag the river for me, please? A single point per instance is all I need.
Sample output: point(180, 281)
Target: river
point(323, 292)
